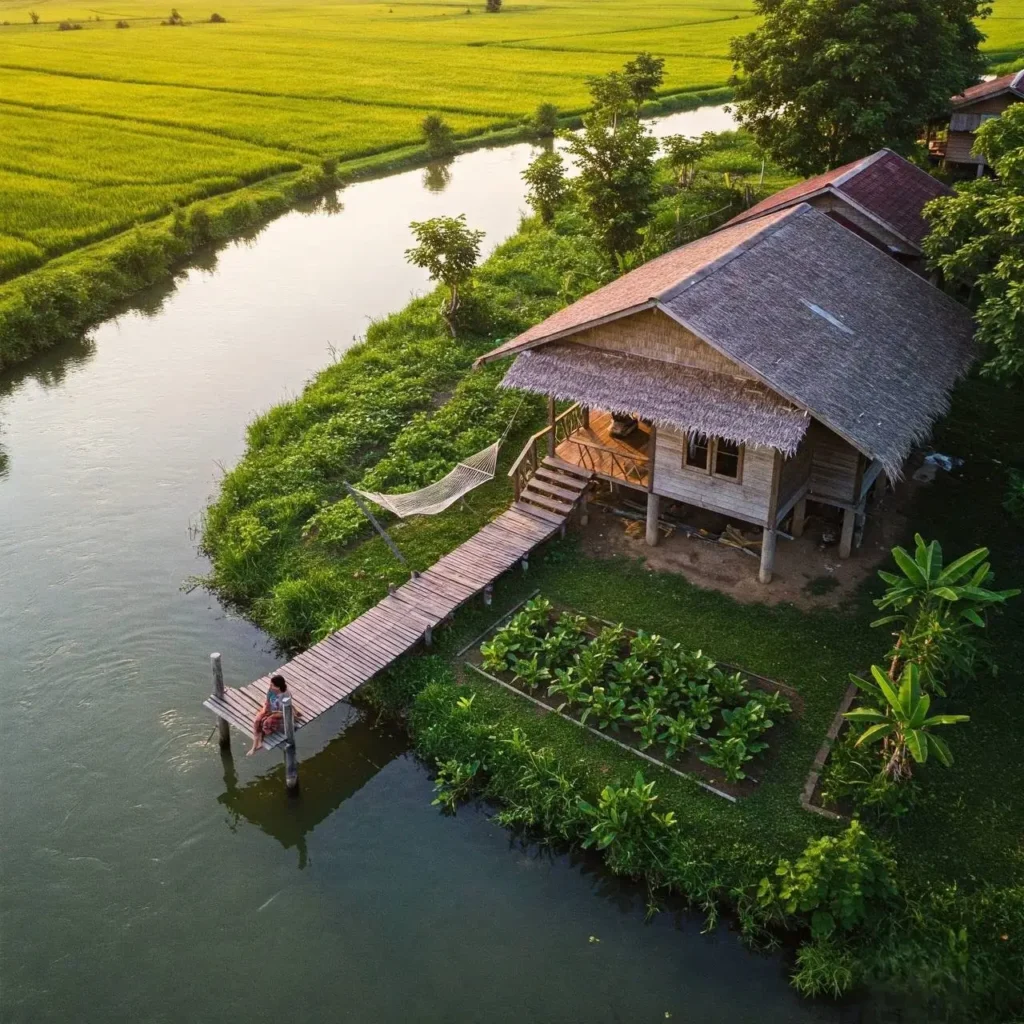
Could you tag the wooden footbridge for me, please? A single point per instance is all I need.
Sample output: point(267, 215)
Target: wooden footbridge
point(331, 670)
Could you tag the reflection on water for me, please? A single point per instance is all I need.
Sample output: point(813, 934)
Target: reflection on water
point(327, 780)
point(437, 175)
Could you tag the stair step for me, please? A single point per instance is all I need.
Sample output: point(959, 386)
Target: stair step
point(539, 513)
point(554, 490)
point(536, 498)
point(562, 479)
point(553, 462)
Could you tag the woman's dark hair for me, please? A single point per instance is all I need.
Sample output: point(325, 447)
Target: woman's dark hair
point(279, 682)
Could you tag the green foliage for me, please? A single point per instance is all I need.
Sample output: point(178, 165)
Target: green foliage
point(677, 733)
point(1014, 500)
point(729, 755)
point(977, 242)
point(455, 781)
point(900, 721)
point(644, 74)
point(616, 179)
point(838, 882)
point(438, 136)
point(824, 968)
point(683, 152)
point(822, 84)
point(448, 250)
point(545, 120)
point(546, 185)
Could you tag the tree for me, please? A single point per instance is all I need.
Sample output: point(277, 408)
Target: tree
point(448, 251)
point(545, 120)
point(34, 16)
point(545, 179)
point(493, 6)
point(644, 73)
point(616, 178)
point(977, 243)
point(901, 721)
point(821, 84)
point(612, 96)
point(682, 153)
point(438, 136)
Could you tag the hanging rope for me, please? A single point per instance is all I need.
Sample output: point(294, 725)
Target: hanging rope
point(436, 497)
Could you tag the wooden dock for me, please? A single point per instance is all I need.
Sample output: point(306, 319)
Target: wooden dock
point(339, 664)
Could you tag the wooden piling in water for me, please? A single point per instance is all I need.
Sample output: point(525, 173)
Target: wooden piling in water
point(291, 759)
point(223, 728)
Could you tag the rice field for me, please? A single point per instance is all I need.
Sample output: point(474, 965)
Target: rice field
point(107, 126)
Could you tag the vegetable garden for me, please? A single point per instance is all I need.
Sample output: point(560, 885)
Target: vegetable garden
point(678, 705)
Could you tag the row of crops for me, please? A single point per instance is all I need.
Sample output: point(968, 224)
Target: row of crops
point(660, 696)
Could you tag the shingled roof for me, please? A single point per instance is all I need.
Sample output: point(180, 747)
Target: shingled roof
point(888, 189)
point(825, 320)
point(1012, 83)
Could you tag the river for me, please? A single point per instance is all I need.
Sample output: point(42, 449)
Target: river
point(145, 880)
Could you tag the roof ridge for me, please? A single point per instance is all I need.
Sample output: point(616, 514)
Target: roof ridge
point(1017, 79)
point(862, 165)
point(745, 245)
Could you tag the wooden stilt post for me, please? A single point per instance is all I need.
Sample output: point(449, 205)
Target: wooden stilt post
point(586, 417)
point(525, 563)
point(846, 537)
point(291, 760)
point(428, 636)
point(488, 595)
point(551, 426)
point(223, 729)
point(653, 507)
point(767, 555)
point(584, 510)
point(799, 518)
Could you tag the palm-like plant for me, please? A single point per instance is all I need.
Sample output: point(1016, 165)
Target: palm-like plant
point(901, 721)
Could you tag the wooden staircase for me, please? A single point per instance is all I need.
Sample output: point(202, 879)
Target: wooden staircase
point(554, 486)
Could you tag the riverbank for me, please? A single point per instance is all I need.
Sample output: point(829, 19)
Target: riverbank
point(59, 300)
point(393, 413)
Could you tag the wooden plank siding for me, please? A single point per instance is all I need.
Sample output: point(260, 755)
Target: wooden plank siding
point(747, 499)
point(795, 473)
point(835, 466)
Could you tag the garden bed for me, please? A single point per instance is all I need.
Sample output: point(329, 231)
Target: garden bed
point(713, 723)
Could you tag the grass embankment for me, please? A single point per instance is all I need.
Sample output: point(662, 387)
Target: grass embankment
point(302, 563)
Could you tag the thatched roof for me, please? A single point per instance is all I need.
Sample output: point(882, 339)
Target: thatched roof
point(883, 187)
point(737, 409)
point(831, 324)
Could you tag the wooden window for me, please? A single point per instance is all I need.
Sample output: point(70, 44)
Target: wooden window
point(713, 456)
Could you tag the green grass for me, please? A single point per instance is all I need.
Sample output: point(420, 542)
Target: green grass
point(106, 127)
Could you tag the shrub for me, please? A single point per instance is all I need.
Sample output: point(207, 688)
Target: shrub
point(33, 16)
point(438, 136)
point(493, 6)
point(545, 120)
point(121, 24)
point(174, 19)
point(68, 26)
point(217, 19)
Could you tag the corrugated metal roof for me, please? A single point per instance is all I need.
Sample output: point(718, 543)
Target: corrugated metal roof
point(1012, 83)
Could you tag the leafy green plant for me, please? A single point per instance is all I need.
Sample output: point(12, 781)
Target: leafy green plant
point(455, 781)
point(608, 710)
point(625, 824)
point(775, 703)
point(824, 968)
point(746, 723)
point(647, 646)
point(568, 684)
point(448, 250)
point(647, 720)
point(677, 734)
point(853, 775)
point(591, 663)
point(499, 652)
point(837, 881)
point(729, 755)
point(631, 673)
point(530, 672)
point(731, 687)
point(701, 705)
point(901, 721)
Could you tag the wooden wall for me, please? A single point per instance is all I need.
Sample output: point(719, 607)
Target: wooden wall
point(654, 335)
point(835, 465)
point(748, 500)
point(795, 472)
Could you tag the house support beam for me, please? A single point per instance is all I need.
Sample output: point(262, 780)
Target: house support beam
point(846, 537)
point(653, 507)
point(551, 427)
point(799, 518)
point(764, 574)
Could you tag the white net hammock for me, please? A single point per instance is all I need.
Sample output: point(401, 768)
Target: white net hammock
point(436, 497)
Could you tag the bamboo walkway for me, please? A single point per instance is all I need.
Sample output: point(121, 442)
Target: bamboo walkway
point(332, 669)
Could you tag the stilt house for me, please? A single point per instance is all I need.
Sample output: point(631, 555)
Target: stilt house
point(971, 109)
point(779, 360)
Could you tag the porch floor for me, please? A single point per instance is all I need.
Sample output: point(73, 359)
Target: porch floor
point(623, 460)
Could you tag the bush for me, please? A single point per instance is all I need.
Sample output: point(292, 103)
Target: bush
point(121, 24)
point(68, 26)
point(493, 6)
point(217, 19)
point(438, 137)
point(545, 120)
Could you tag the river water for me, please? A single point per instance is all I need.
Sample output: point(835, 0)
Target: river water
point(145, 879)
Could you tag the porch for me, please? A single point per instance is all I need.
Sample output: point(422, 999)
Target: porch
point(583, 437)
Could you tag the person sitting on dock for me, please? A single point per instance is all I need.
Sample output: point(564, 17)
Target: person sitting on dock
point(270, 717)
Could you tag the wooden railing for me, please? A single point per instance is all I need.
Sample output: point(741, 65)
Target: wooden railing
point(611, 462)
point(544, 442)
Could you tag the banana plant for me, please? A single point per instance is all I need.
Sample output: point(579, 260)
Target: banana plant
point(926, 583)
point(901, 721)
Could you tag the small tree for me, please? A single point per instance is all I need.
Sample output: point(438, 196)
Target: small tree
point(545, 120)
point(612, 96)
point(545, 179)
point(644, 73)
point(438, 136)
point(493, 6)
point(34, 16)
point(448, 251)
point(682, 153)
point(821, 84)
point(616, 179)
point(977, 242)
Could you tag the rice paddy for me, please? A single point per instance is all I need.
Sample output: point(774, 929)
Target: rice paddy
point(107, 126)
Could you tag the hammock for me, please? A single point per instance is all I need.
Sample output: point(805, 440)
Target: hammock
point(436, 497)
